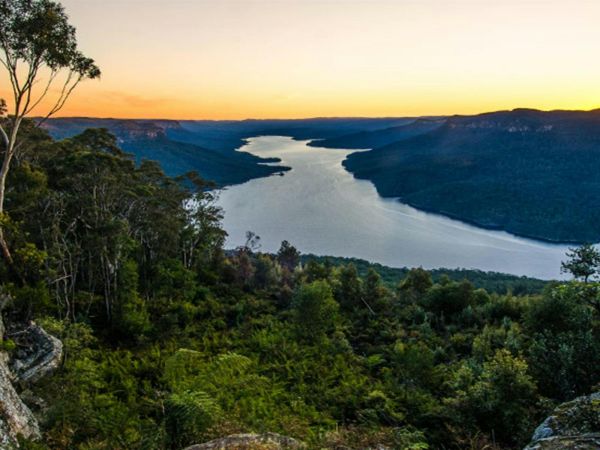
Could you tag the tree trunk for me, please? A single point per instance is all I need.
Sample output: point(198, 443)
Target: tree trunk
point(8, 155)
point(3, 244)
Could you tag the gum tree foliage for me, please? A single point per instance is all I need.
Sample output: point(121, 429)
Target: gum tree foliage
point(39, 54)
point(121, 233)
point(583, 262)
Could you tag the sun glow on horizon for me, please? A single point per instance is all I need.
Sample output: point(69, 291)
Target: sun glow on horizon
point(225, 59)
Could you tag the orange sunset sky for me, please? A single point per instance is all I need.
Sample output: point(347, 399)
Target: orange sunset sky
point(221, 59)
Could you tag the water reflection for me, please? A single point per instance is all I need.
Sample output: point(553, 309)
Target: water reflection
point(320, 208)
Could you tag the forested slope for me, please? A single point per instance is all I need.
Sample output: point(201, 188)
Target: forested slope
point(171, 341)
point(493, 282)
point(529, 172)
point(178, 150)
point(210, 147)
point(381, 137)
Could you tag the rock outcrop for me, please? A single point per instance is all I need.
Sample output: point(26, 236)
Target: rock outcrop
point(38, 354)
point(267, 441)
point(573, 425)
point(41, 355)
point(15, 417)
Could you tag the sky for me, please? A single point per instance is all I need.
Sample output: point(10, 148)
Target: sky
point(226, 59)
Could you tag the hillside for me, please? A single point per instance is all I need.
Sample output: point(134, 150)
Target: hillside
point(218, 161)
point(170, 340)
point(378, 138)
point(210, 147)
point(528, 172)
point(499, 283)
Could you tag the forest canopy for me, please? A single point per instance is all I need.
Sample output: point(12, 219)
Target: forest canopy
point(171, 340)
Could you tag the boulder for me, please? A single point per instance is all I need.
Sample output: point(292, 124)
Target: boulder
point(41, 354)
point(573, 425)
point(38, 354)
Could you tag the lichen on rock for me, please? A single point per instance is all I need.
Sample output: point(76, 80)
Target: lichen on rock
point(573, 425)
point(15, 417)
point(40, 353)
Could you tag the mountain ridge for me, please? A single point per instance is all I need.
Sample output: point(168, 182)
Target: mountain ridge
point(532, 173)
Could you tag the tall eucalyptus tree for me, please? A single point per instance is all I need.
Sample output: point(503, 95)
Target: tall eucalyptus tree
point(40, 56)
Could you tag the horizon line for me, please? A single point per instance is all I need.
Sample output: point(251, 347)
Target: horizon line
point(425, 116)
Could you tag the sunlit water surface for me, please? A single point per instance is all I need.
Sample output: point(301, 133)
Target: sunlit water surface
point(320, 208)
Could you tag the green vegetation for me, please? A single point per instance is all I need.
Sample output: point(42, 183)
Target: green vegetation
point(213, 155)
point(499, 283)
point(583, 262)
point(35, 37)
point(171, 341)
point(209, 147)
point(532, 173)
point(529, 172)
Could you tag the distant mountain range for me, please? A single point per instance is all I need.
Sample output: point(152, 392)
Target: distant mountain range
point(529, 172)
point(209, 147)
point(178, 149)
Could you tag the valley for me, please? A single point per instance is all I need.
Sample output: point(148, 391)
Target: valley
point(322, 209)
point(527, 172)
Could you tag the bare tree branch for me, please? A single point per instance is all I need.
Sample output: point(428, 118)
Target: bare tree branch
point(10, 69)
point(28, 87)
point(62, 99)
point(53, 75)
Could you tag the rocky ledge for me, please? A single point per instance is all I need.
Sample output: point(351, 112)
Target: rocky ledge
point(573, 425)
point(36, 355)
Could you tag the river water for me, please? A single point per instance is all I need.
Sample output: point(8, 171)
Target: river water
point(320, 208)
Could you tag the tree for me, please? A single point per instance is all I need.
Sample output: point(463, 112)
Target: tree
point(288, 256)
point(373, 288)
point(417, 279)
point(447, 301)
point(252, 242)
point(414, 286)
point(564, 351)
point(349, 288)
point(498, 397)
point(583, 262)
point(38, 42)
point(315, 310)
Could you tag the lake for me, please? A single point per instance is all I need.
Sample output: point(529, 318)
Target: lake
point(320, 208)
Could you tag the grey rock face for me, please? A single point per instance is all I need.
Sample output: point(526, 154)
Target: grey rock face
point(42, 353)
point(43, 357)
point(545, 430)
point(15, 417)
point(573, 425)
